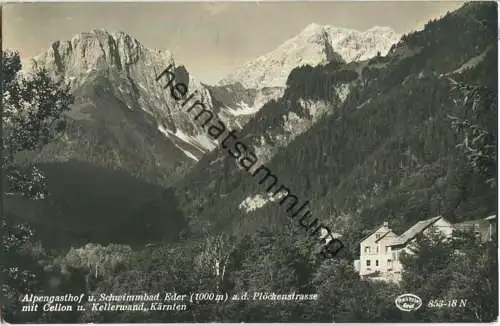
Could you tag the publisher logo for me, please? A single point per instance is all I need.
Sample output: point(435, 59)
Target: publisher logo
point(408, 302)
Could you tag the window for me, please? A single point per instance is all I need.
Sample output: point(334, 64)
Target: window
point(477, 232)
point(389, 265)
point(378, 246)
point(376, 262)
point(367, 249)
point(377, 235)
point(368, 262)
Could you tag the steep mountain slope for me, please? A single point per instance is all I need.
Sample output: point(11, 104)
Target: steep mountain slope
point(236, 105)
point(316, 44)
point(271, 130)
point(387, 152)
point(125, 141)
point(123, 118)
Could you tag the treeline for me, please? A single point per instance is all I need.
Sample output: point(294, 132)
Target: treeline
point(263, 262)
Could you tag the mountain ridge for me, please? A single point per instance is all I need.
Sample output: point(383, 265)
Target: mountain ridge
point(315, 44)
point(117, 97)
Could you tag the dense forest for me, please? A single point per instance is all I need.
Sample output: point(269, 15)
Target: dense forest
point(414, 138)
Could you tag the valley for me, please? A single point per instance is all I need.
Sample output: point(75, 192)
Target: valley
point(144, 194)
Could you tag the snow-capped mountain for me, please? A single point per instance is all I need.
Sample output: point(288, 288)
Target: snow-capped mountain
point(316, 44)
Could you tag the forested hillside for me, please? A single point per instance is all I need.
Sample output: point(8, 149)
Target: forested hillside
point(389, 152)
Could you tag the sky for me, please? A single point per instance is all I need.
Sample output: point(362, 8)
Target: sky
point(212, 39)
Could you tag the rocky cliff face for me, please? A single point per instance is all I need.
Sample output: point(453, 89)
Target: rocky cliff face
point(122, 117)
point(131, 70)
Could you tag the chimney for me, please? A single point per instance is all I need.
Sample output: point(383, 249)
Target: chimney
point(386, 224)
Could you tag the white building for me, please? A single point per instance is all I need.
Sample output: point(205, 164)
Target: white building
point(375, 251)
point(381, 249)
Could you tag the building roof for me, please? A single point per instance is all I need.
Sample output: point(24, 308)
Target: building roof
point(383, 235)
point(388, 233)
point(412, 232)
point(492, 217)
point(375, 230)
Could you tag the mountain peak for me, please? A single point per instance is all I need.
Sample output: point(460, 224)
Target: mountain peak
point(315, 44)
point(104, 35)
point(313, 28)
point(96, 50)
point(314, 34)
point(103, 67)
